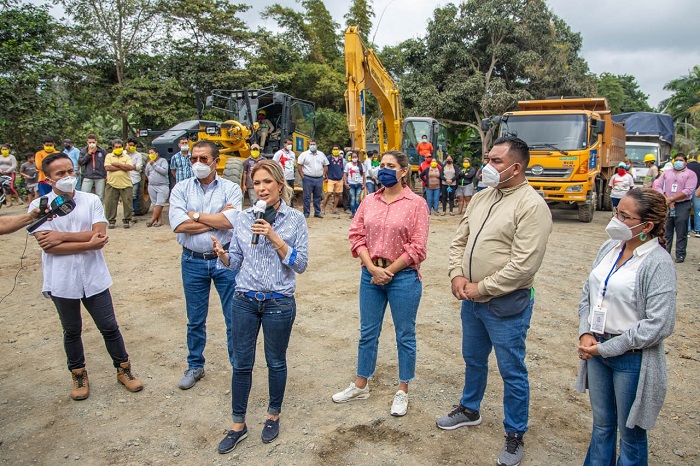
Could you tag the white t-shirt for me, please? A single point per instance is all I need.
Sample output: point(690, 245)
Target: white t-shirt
point(620, 185)
point(82, 274)
point(312, 163)
point(354, 173)
point(288, 161)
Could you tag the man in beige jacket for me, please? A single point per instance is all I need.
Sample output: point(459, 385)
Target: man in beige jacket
point(494, 256)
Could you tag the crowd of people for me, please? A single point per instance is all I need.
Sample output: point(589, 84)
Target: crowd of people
point(252, 257)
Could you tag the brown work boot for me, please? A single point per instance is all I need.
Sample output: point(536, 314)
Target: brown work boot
point(81, 387)
point(126, 378)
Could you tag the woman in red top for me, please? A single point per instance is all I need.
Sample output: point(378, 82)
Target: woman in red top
point(389, 234)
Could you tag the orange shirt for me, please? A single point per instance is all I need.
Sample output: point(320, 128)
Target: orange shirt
point(424, 149)
point(38, 159)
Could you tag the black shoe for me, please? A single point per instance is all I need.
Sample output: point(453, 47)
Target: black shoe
point(111, 226)
point(271, 430)
point(680, 259)
point(232, 439)
point(318, 215)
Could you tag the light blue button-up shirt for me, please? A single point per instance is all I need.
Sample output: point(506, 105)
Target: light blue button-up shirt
point(262, 269)
point(189, 195)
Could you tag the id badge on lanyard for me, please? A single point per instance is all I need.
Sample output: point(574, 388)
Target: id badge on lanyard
point(600, 313)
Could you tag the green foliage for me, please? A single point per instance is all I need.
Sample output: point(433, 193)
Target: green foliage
point(360, 14)
point(331, 128)
point(684, 106)
point(622, 92)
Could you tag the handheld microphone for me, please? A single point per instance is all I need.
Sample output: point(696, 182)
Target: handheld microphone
point(259, 211)
point(62, 205)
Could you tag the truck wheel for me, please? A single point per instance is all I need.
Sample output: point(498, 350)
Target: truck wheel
point(233, 171)
point(144, 199)
point(607, 200)
point(585, 211)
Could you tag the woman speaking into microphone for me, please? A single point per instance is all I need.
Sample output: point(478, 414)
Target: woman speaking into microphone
point(264, 294)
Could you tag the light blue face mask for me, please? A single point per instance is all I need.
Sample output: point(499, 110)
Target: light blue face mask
point(679, 165)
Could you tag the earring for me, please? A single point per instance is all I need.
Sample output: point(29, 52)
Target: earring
point(643, 237)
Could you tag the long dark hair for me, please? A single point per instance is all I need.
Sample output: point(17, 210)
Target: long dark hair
point(402, 159)
point(651, 207)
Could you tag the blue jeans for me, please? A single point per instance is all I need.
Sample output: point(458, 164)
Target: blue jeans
point(355, 191)
point(197, 275)
point(137, 196)
point(312, 186)
point(276, 317)
point(370, 187)
point(696, 214)
point(612, 387)
point(403, 295)
point(433, 198)
point(481, 331)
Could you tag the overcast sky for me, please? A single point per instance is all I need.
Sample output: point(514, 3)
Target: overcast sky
point(654, 40)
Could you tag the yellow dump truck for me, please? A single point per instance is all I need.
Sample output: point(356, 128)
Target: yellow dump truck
point(574, 149)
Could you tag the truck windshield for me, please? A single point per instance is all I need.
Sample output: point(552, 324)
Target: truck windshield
point(565, 132)
point(637, 153)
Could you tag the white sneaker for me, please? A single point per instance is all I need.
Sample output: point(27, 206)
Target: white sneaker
point(400, 404)
point(352, 393)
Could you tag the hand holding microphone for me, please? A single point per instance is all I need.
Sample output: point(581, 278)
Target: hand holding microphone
point(62, 205)
point(258, 211)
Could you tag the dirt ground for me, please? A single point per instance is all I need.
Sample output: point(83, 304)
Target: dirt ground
point(164, 425)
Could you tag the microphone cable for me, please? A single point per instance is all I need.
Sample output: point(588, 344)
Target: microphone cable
point(21, 266)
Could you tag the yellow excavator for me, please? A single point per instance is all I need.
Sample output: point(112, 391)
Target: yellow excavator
point(288, 117)
point(365, 72)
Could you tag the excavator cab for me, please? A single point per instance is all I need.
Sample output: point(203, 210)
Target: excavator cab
point(414, 128)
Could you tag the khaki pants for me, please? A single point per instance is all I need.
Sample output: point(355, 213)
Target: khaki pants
point(112, 196)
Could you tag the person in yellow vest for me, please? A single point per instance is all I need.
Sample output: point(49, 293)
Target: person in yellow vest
point(119, 186)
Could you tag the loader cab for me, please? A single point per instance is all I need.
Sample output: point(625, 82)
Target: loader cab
point(291, 117)
point(413, 130)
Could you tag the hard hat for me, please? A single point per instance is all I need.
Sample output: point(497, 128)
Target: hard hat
point(649, 158)
point(262, 112)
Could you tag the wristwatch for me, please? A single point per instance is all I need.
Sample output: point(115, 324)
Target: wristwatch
point(195, 216)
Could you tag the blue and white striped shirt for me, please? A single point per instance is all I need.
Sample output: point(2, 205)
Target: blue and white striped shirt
point(190, 195)
point(262, 268)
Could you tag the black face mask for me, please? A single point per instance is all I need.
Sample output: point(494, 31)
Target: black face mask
point(270, 214)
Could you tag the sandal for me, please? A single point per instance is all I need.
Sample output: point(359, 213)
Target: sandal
point(149, 224)
point(157, 224)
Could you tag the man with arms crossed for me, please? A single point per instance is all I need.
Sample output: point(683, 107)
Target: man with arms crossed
point(498, 248)
point(201, 207)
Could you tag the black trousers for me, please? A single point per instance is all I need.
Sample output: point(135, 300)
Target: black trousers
point(101, 310)
point(290, 183)
point(448, 197)
point(679, 226)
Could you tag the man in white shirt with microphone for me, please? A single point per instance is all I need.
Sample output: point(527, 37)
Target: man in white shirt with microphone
point(75, 271)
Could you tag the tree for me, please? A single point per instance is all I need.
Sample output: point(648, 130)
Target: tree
point(34, 101)
point(479, 58)
point(360, 14)
point(622, 92)
point(114, 31)
point(685, 101)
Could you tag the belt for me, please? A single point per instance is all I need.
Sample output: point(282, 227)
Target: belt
point(204, 255)
point(309, 176)
point(262, 296)
point(681, 202)
point(381, 262)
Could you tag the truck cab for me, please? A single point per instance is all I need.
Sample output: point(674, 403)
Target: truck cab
point(574, 147)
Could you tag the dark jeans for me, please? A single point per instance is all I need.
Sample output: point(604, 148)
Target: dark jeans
point(679, 225)
point(276, 317)
point(448, 196)
point(137, 197)
point(102, 312)
point(312, 186)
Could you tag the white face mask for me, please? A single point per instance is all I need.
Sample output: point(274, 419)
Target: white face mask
point(66, 184)
point(288, 147)
point(183, 148)
point(492, 177)
point(201, 170)
point(617, 230)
